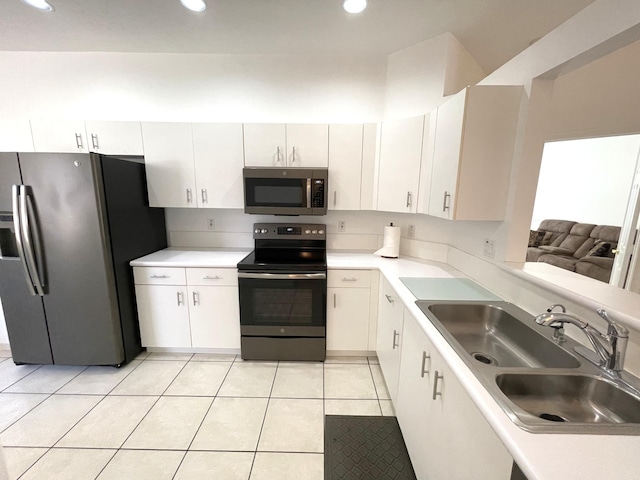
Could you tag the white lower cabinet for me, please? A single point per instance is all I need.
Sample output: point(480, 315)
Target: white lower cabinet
point(446, 436)
point(389, 337)
point(188, 308)
point(348, 309)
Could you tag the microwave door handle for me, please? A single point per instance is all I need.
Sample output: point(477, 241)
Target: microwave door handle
point(29, 233)
point(308, 193)
point(15, 195)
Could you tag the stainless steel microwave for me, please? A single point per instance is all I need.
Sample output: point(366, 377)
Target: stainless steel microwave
point(285, 191)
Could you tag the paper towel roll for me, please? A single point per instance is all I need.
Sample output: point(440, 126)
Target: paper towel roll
point(391, 243)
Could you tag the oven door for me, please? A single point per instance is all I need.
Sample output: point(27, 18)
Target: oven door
point(283, 304)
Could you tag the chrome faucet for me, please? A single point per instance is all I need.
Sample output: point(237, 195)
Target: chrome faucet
point(610, 347)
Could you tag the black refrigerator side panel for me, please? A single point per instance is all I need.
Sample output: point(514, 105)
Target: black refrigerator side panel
point(23, 312)
point(135, 230)
point(80, 301)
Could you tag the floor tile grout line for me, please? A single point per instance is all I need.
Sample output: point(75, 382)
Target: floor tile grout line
point(375, 387)
point(21, 378)
point(48, 395)
point(264, 419)
point(108, 462)
point(36, 461)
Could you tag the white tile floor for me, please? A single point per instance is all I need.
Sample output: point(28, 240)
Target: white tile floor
point(176, 416)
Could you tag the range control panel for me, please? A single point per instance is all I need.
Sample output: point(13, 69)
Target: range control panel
point(294, 231)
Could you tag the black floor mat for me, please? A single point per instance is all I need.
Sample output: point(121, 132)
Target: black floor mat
point(364, 448)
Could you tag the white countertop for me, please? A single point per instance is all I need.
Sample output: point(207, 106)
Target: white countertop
point(540, 456)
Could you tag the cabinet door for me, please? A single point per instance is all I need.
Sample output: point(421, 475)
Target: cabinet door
point(389, 337)
point(265, 145)
point(63, 136)
point(348, 319)
point(15, 136)
point(345, 166)
point(168, 151)
point(164, 316)
point(215, 317)
point(414, 395)
point(307, 145)
point(219, 157)
point(115, 138)
point(400, 154)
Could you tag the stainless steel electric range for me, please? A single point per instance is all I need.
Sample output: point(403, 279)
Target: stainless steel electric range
point(283, 293)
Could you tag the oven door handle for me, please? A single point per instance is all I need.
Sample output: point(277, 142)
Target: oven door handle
point(283, 276)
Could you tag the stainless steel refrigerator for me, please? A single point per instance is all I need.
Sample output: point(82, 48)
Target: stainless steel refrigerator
point(69, 225)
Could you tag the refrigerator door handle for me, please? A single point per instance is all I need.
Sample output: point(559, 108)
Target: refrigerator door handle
point(15, 196)
point(26, 209)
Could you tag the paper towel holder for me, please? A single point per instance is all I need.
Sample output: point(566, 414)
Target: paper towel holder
point(391, 242)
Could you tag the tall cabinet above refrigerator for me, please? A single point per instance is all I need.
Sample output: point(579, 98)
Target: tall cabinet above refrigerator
point(69, 225)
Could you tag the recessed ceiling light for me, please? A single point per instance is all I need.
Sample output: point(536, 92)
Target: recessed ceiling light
point(354, 6)
point(194, 5)
point(39, 4)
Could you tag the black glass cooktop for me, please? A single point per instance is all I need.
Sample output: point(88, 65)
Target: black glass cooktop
point(285, 259)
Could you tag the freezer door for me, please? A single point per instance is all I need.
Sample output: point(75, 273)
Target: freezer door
point(80, 302)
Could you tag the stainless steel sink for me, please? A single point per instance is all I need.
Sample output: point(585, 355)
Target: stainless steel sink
point(578, 401)
point(540, 384)
point(495, 337)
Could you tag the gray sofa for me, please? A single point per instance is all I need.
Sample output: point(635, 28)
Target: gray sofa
point(583, 248)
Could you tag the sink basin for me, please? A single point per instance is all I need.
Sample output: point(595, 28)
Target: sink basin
point(493, 336)
point(569, 399)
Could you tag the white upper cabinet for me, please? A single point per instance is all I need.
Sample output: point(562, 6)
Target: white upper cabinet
point(291, 145)
point(15, 136)
point(345, 166)
point(115, 138)
point(307, 145)
point(265, 145)
point(61, 136)
point(168, 151)
point(219, 157)
point(399, 170)
point(472, 153)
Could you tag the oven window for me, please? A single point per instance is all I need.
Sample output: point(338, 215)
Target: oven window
point(282, 302)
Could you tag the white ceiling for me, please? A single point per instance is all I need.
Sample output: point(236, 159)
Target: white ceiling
point(493, 31)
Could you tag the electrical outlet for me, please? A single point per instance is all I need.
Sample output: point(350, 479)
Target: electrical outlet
point(412, 231)
point(342, 225)
point(489, 248)
point(211, 224)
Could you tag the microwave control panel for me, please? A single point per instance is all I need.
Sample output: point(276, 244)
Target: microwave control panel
point(317, 193)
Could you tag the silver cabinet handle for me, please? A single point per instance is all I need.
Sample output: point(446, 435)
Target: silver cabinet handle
point(196, 298)
point(293, 156)
point(278, 156)
point(79, 140)
point(189, 196)
point(435, 385)
point(212, 278)
point(395, 335)
point(445, 205)
point(94, 141)
point(205, 196)
point(408, 199)
point(389, 298)
point(352, 279)
point(335, 195)
point(160, 276)
point(334, 300)
point(180, 297)
point(423, 372)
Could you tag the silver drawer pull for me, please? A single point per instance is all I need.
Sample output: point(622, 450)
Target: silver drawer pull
point(424, 361)
point(389, 298)
point(445, 204)
point(352, 279)
point(160, 276)
point(79, 141)
point(435, 385)
point(180, 297)
point(216, 277)
point(395, 335)
point(196, 298)
point(334, 300)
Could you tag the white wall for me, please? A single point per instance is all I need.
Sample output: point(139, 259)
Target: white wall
point(181, 87)
point(586, 180)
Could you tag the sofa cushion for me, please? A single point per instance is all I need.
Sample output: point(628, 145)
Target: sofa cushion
point(579, 242)
point(607, 233)
point(539, 237)
point(595, 267)
point(559, 228)
point(563, 261)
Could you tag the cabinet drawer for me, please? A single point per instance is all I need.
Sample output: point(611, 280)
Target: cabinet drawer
point(212, 276)
point(159, 276)
point(349, 278)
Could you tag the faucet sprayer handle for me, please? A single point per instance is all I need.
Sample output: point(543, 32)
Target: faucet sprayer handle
point(614, 328)
point(551, 307)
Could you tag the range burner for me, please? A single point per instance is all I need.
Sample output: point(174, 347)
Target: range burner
point(283, 292)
